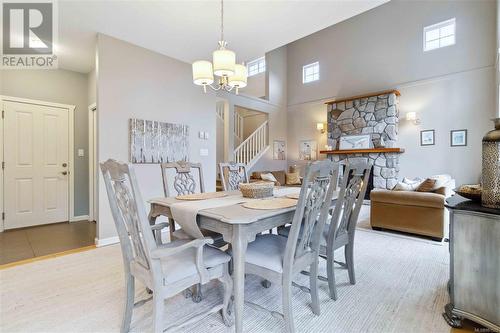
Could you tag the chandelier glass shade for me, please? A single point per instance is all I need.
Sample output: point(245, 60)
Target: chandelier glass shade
point(230, 74)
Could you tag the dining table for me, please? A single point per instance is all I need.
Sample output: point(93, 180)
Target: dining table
point(238, 226)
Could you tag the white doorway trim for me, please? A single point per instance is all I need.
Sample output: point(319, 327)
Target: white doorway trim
point(71, 148)
point(92, 162)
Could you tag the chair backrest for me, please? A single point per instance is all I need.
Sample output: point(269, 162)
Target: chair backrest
point(232, 175)
point(181, 178)
point(351, 196)
point(129, 213)
point(312, 210)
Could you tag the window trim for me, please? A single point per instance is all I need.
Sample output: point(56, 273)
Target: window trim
point(438, 26)
point(311, 65)
point(258, 61)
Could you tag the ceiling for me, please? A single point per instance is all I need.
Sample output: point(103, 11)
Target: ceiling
point(189, 30)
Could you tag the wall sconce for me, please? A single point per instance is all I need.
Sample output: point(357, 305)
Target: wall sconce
point(320, 127)
point(413, 116)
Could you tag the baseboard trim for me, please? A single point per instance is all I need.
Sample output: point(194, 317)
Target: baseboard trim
point(79, 218)
point(106, 241)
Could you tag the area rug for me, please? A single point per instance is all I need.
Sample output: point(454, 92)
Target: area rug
point(401, 287)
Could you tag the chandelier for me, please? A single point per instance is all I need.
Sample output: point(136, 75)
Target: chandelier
point(230, 74)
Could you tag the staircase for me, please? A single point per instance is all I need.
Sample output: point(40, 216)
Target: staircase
point(238, 123)
point(254, 147)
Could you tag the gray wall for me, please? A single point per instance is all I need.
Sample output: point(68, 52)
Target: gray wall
point(59, 86)
point(451, 88)
point(256, 86)
point(135, 82)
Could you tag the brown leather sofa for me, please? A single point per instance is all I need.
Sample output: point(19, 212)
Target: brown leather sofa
point(421, 213)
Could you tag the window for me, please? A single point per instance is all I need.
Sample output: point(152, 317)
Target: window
point(310, 72)
point(439, 35)
point(256, 66)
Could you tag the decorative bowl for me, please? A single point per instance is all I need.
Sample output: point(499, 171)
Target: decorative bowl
point(257, 190)
point(472, 192)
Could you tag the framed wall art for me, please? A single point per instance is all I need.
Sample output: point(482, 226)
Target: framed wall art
point(458, 138)
point(427, 138)
point(157, 142)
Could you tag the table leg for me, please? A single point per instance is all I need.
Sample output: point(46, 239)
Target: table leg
point(239, 244)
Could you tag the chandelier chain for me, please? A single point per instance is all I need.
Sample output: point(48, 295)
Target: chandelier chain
point(221, 20)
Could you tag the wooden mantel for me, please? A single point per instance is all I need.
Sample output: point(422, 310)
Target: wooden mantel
point(363, 151)
point(394, 91)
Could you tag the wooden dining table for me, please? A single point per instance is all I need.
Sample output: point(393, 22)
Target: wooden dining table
point(238, 226)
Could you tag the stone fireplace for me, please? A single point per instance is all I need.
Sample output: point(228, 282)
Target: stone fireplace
point(376, 114)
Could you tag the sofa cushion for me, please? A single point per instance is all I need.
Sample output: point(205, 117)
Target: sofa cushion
point(268, 176)
point(427, 185)
point(408, 198)
point(279, 175)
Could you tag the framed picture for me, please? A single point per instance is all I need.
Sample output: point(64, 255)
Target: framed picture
point(427, 138)
point(363, 141)
point(458, 138)
point(156, 142)
point(308, 150)
point(279, 151)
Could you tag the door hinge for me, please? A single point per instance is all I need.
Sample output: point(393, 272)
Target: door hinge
point(3, 114)
point(3, 216)
point(3, 165)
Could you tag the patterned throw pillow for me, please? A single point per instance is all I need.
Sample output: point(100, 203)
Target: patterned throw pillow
point(428, 185)
point(293, 178)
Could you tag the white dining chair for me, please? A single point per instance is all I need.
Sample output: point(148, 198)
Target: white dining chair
point(166, 269)
point(278, 259)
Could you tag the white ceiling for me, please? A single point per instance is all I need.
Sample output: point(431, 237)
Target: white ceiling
point(189, 30)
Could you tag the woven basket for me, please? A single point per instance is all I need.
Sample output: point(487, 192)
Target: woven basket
point(257, 190)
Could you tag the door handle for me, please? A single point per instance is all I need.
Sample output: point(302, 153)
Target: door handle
point(64, 173)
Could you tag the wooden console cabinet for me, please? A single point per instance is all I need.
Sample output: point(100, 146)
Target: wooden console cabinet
point(474, 285)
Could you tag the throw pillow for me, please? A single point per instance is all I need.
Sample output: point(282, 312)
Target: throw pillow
point(402, 186)
point(293, 178)
point(427, 185)
point(269, 177)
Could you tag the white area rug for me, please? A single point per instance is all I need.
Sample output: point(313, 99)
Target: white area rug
point(401, 287)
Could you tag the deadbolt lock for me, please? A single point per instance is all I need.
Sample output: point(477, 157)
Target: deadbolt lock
point(64, 173)
point(65, 165)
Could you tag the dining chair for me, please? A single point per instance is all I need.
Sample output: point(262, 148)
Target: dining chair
point(232, 174)
point(181, 178)
point(340, 229)
point(166, 269)
point(278, 259)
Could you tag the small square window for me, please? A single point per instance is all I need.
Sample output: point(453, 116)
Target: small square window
point(256, 66)
point(439, 35)
point(310, 72)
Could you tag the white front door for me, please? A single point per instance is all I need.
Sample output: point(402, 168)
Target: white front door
point(36, 164)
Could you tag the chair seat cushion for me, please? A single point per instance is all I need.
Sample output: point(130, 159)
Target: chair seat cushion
point(267, 251)
point(182, 265)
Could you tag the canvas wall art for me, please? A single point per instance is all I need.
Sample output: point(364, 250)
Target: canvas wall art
point(157, 142)
point(308, 150)
point(279, 152)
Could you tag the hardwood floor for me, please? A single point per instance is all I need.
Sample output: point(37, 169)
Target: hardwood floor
point(32, 242)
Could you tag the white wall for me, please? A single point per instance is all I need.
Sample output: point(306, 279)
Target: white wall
point(137, 83)
point(58, 86)
point(451, 88)
point(256, 86)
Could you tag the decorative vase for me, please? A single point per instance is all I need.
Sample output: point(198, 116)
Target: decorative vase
point(490, 196)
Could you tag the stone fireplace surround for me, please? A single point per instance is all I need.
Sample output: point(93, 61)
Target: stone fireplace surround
point(376, 114)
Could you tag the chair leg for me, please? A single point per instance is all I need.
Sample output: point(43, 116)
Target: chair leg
point(158, 304)
point(331, 276)
point(129, 303)
point(227, 282)
point(287, 305)
point(349, 260)
point(313, 285)
point(197, 295)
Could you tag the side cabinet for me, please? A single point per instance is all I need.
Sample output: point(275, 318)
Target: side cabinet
point(474, 266)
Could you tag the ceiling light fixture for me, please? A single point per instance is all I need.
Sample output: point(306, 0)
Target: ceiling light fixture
point(231, 75)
